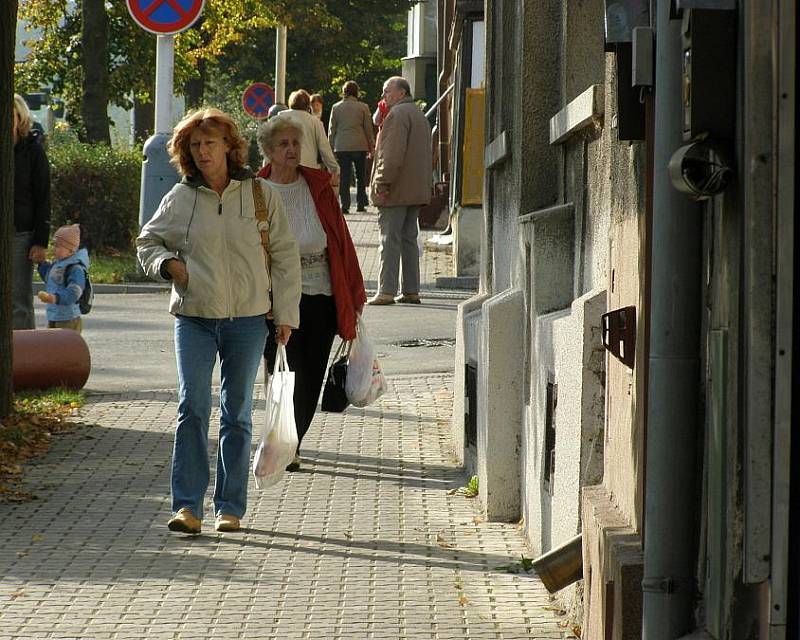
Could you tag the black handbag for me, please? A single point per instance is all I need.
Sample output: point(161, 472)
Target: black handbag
point(334, 397)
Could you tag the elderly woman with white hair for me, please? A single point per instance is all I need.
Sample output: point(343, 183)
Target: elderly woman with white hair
point(332, 285)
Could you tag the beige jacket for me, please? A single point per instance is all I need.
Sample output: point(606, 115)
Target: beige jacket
point(314, 145)
point(218, 238)
point(350, 126)
point(403, 162)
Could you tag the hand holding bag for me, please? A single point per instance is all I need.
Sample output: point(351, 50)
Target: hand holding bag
point(365, 381)
point(279, 440)
point(334, 397)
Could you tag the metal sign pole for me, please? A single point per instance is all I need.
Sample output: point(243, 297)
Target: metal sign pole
point(164, 18)
point(280, 65)
point(158, 175)
point(165, 63)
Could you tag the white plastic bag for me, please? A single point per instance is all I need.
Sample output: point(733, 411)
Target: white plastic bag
point(365, 382)
point(279, 439)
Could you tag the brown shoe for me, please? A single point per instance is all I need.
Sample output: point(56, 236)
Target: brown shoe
point(226, 522)
point(408, 298)
point(184, 522)
point(381, 299)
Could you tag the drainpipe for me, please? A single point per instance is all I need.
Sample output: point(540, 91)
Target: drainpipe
point(673, 417)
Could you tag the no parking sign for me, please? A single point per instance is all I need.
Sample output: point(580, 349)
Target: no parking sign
point(257, 99)
point(165, 17)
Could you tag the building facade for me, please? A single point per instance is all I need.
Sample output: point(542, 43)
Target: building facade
point(626, 372)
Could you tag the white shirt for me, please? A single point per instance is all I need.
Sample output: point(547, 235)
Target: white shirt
point(309, 234)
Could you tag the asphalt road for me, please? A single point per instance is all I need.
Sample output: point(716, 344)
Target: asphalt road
point(130, 340)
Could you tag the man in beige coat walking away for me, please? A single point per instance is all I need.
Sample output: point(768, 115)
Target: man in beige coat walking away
point(402, 180)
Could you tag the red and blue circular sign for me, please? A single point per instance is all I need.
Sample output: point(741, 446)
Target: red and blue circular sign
point(165, 17)
point(257, 99)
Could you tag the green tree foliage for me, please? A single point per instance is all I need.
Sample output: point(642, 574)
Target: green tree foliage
point(330, 41)
point(56, 51)
point(56, 54)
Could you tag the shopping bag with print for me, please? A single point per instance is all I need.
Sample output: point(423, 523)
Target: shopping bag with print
point(279, 439)
point(365, 381)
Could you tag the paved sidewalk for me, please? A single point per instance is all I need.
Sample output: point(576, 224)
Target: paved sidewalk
point(365, 542)
point(369, 540)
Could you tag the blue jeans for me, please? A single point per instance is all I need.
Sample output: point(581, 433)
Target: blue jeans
point(239, 342)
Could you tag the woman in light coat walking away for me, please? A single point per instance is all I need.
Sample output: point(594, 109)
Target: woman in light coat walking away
point(352, 136)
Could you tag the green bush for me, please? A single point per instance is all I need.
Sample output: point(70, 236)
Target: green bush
point(96, 186)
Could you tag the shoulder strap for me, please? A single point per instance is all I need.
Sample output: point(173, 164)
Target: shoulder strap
point(68, 268)
point(261, 215)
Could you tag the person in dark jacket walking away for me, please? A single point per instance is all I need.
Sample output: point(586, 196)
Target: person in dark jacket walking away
point(31, 212)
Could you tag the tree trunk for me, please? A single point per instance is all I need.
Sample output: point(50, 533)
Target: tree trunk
point(194, 89)
point(8, 21)
point(94, 42)
point(144, 118)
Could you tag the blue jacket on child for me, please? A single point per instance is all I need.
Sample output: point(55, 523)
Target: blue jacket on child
point(68, 292)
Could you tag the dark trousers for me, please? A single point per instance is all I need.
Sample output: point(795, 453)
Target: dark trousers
point(347, 160)
point(308, 350)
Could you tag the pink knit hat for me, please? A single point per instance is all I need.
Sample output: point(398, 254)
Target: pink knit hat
point(68, 236)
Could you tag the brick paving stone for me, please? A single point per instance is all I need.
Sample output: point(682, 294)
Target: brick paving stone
point(363, 542)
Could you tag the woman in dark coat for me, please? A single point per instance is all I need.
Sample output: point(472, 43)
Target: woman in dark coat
point(31, 212)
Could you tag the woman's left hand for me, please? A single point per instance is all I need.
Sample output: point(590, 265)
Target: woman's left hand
point(282, 333)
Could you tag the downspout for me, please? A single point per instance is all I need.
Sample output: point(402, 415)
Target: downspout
point(673, 416)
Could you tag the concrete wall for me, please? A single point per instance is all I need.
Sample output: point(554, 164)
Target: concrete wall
point(563, 226)
point(612, 511)
point(500, 405)
point(466, 351)
point(570, 354)
point(467, 232)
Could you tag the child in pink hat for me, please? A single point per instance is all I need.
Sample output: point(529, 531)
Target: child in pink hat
point(65, 278)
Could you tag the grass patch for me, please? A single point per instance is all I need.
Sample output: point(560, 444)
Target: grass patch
point(26, 433)
point(111, 268)
point(470, 490)
point(525, 565)
point(50, 401)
